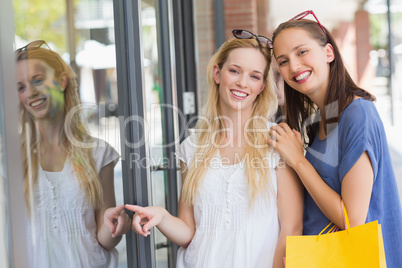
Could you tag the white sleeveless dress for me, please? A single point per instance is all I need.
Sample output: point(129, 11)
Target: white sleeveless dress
point(229, 233)
point(63, 227)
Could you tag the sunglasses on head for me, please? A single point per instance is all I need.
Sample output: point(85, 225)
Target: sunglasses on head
point(244, 34)
point(305, 14)
point(35, 45)
point(32, 46)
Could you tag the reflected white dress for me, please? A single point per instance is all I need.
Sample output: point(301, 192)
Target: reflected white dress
point(229, 233)
point(63, 226)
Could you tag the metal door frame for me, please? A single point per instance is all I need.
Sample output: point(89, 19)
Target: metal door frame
point(16, 209)
point(175, 32)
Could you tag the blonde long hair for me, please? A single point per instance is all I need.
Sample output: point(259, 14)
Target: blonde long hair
point(264, 106)
point(81, 158)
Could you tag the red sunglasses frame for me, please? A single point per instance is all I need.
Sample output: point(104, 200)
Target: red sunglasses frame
point(306, 13)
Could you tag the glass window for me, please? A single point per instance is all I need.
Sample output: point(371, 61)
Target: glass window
point(82, 32)
point(154, 98)
point(3, 204)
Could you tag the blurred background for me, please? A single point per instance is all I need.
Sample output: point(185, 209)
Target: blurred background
point(142, 64)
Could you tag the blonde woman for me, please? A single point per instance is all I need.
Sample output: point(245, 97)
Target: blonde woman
point(68, 174)
point(238, 200)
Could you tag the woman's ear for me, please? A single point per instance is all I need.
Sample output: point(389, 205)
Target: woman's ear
point(63, 81)
point(329, 50)
point(263, 86)
point(216, 74)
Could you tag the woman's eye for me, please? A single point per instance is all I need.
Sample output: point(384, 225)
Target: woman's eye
point(20, 88)
point(281, 63)
point(37, 82)
point(233, 71)
point(256, 77)
point(302, 52)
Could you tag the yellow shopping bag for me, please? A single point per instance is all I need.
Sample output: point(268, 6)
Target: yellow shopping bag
point(360, 246)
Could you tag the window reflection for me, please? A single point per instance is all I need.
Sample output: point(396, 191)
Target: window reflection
point(68, 173)
point(93, 60)
point(3, 205)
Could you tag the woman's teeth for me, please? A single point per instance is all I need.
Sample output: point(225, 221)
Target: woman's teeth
point(239, 94)
point(37, 103)
point(302, 76)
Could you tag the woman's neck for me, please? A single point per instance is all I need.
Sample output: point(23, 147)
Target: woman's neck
point(235, 123)
point(50, 131)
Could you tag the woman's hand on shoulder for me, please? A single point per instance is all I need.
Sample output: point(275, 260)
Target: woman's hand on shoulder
point(117, 220)
point(288, 142)
point(145, 218)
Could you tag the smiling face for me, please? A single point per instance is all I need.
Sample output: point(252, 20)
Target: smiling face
point(38, 89)
point(240, 79)
point(303, 62)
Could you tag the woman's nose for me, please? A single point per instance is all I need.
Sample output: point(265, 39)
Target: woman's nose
point(31, 91)
point(242, 81)
point(294, 65)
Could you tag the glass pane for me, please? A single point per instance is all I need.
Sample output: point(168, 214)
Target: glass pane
point(3, 225)
point(91, 55)
point(153, 94)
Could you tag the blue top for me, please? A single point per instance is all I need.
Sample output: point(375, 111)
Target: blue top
point(360, 129)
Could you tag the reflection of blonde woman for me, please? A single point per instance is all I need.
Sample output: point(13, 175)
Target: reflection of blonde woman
point(234, 209)
point(69, 188)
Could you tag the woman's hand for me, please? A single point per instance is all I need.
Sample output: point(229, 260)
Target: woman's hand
point(288, 142)
point(117, 220)
point(145, 218)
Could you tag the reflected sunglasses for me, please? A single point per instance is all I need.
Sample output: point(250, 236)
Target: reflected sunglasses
point(244, 34)
point(306, 13)
point(32, 46)
point(35, 45)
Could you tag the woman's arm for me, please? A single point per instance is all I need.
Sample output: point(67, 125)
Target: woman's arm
point(179, 230)
point(118, 221)
point(356, 185)
point(290, 209)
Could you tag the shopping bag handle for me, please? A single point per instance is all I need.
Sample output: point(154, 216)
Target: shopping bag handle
point(334, 228)
point(345, 216)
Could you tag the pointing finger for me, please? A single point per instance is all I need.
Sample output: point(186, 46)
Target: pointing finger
point(135, 208)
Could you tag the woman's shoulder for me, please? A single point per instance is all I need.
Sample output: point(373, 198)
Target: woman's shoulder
point(100, 145)
point(360, 108)
point(188, 148)
point(361, 121)
point(190, 140)
point(103, 153)
point(271, 124)
point(360, 112)
point(189, 144)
